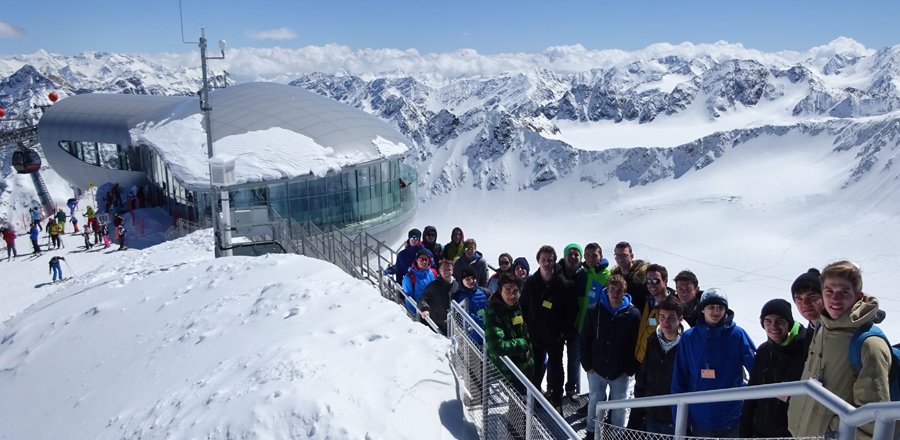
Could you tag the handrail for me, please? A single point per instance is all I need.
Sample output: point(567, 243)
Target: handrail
point(850, 417)
point(533, 393)
point(471, 322)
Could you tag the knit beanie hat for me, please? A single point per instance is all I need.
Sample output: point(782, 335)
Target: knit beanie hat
point(468, 271)
point(778, 307)
point(571, 246)
point(522, 261)
point(713, 296)
point(807, 282)
point(415, 233)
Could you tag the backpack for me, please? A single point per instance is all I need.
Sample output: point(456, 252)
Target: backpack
point(855, 347)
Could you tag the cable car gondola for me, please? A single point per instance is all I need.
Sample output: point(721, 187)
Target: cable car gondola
point(26, 161)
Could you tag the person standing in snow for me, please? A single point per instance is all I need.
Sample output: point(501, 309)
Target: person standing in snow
point(54, 229)
point(9, 236)
point(36, 217)
point(73, 205)
point(61, 220)
point(454, 248)
point(55, 268)
point(104, 231)
point(75, 224)
point(87, 239)
point(471, 257)
point(96, 229)
point(121, 233)
point(34, 234)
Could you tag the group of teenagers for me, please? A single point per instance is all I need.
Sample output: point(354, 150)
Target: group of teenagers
point(624, 323)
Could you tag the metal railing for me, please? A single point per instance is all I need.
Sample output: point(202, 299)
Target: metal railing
point(884, 414)
point(493, 403)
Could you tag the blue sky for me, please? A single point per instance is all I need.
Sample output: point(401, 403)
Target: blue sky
point(70, 27)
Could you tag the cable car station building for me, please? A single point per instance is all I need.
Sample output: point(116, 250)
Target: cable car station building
point(304, 156)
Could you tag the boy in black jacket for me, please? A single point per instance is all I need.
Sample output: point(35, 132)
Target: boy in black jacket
point(655, 375)
point(608, 339)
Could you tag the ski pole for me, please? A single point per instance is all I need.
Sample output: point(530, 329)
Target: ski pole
point(70, 268)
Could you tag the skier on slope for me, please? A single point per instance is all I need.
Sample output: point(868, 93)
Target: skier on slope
point(33, 234)
point(55, 268)
point(9, 236)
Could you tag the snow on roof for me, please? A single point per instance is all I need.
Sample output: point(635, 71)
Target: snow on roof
point(274, 131)
point(269, 154)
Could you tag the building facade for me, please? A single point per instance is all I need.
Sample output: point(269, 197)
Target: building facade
point(308, 158)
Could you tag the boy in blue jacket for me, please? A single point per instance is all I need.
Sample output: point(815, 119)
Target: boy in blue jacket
point(712, 356)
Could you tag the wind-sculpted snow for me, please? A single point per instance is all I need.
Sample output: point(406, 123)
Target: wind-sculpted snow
point(171, 343)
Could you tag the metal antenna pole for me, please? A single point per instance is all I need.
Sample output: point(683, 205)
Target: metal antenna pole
point(207, 125)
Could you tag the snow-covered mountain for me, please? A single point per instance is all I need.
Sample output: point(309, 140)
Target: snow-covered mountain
point(530, 126)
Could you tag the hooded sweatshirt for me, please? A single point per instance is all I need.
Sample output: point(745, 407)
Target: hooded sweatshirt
point(829, 360)
point(608, 338)
point(452, 249)
point(713, 358)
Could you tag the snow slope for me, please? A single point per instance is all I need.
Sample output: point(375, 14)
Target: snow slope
point(171, 343)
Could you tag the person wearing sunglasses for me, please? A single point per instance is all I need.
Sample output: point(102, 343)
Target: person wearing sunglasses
point(657, 278)
point(417, 278)
point(504, 265)
point(407, 256)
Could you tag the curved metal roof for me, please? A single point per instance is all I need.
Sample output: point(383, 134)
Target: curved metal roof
point(238, 109)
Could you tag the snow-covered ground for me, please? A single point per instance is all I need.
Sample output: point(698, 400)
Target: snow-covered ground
point(167, 342)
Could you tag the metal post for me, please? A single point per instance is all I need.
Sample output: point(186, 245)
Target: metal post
point(529, 413)
point(884, 428)
point(226, 223)
point(846, 431)
point(681, 419)
point(206, 108)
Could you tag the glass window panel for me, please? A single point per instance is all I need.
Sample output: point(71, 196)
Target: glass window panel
point(297, 189)
point(316, 187)
point(385, 171)
point(333, 183)
point(362, 177)
point(299, 210)
point(348, 180)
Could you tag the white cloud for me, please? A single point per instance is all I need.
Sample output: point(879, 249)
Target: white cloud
point(10, 31)
point(282, 33)
point(285, 64)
